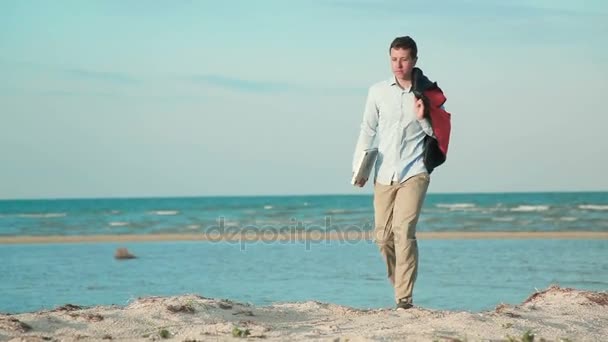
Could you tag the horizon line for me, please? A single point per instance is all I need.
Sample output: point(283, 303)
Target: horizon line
point(68, 198)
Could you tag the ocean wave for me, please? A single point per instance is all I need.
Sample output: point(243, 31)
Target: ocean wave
point(165, 212)
point(530, 208)
point(593, 207)
point(568, 218)
point(118, 224)
point(341, 211)
point(193, 226)
point(267, 207)
point(356, 210)
point(503, 219)
point(455, 206)
point(43, 215)
point(231, 223)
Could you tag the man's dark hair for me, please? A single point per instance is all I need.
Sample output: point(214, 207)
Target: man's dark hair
point(406, 43)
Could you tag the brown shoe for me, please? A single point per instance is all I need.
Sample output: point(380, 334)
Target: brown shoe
point(405, 304)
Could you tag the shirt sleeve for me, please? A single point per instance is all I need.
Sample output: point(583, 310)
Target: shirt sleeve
point(426, 125)
point(367, 132)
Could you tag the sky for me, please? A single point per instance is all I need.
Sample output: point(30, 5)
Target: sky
point(207, 98)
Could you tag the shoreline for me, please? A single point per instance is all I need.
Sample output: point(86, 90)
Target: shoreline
point(300, 236)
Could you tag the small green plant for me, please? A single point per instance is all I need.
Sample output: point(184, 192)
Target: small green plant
point(237, 332)
point(164, 333)
point(189, 307)
point(507, 325)
point(528, 336)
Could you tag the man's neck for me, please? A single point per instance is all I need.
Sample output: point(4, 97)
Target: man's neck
point(405, 83)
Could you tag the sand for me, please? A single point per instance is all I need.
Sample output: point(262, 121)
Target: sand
point(553, 314)
point(270, 236)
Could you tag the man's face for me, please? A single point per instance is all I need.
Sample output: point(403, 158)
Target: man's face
point(402, 63)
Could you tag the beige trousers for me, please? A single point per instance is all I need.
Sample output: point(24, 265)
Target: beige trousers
point(397, 208)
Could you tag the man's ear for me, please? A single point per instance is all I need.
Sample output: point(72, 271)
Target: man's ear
point(415, 61)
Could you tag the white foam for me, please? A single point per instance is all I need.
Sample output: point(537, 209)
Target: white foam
point(43, 215)
point(118, 224)
point(503, 219)
point(231, 223)
point(268, 207)
point(456, 206)
point(337, 211)
point(530, 208)
point(568, 218)
point(593, 207)
point(193, 226)
point(166, 212)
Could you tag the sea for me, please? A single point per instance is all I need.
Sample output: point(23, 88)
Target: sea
point(456, 274)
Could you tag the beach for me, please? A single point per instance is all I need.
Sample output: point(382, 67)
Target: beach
point(181, 170)
point(554, 314)
point(300, 267)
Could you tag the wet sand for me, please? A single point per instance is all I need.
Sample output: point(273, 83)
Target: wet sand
point(300, 236)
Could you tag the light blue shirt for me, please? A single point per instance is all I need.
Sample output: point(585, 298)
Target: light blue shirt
point(390, 120)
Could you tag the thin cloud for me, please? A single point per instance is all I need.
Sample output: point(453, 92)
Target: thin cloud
point(243, 85)
point(71, 72)
point(103, 76)
point(74, 93)
point(260, 86)
point(456, 9)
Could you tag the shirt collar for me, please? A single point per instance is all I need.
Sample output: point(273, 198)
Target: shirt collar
point(393, 82)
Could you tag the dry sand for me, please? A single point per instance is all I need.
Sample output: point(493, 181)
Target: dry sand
point(554, 314)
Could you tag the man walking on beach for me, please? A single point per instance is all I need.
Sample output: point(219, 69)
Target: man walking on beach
point(405, 114)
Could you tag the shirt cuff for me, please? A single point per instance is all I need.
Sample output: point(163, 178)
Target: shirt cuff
point(426, 126)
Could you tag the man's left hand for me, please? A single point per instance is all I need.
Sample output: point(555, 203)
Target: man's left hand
point(419, 109)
